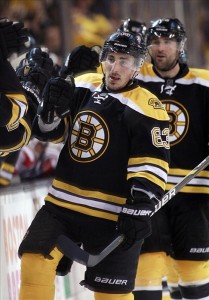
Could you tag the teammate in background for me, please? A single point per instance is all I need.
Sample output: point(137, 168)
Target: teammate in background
point(183, 222)
point(115, 160)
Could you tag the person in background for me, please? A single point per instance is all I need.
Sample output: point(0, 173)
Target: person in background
point(115, 160)
point(181, 227)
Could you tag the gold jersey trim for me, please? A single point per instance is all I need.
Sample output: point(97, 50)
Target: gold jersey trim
point(199, 184)
point(19, 107)
point(146, 104)
point(153, 169)
point(93, 203)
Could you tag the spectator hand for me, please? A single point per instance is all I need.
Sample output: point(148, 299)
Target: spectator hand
point(56, 99)
point(134, 220)
point(82, 59)
point(13, 37)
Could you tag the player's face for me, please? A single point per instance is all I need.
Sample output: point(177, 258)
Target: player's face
point(164, 52)
point(119, 69)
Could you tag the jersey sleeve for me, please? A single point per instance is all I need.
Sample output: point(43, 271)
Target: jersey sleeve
point(56, 136)
point(15, 125)
point(148, 164)
point(13, 103)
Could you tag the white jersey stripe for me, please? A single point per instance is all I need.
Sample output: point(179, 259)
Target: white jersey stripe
point(91, 203)
point(195, 181)
point(148, 168)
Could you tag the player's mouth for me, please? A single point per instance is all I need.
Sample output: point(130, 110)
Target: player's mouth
point(114, 78)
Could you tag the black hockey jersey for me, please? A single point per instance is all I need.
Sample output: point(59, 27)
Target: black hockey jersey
point(116, 139)
point(186, 99)
point(15, 126)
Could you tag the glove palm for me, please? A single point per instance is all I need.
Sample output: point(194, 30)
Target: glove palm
point(13, 37)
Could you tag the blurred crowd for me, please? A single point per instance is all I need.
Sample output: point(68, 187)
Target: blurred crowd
point(89, 21)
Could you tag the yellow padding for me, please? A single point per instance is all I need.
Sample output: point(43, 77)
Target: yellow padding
point(38, 276)
point(192, 270)
point(151, 269)
point(172, 274)
point(104, 296)
point(166, 297)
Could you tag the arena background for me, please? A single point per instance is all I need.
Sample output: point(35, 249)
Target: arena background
point(64, 24)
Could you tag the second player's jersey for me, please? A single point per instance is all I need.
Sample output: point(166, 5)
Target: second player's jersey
point(116, 139)
point(15, 124)
point(186, 99)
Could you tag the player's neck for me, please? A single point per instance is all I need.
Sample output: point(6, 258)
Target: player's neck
point(169, 74)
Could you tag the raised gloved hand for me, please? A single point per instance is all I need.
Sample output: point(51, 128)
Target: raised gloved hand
point(36, 68)
point(56, 99)
point(13, 37)
point(82, 59)
point(134, 220)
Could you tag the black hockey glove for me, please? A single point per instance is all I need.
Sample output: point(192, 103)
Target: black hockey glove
point(56, 99)
point(81, 60)
point(38, 58)
point(13, 37)
point(37, 68)
point(134, 220)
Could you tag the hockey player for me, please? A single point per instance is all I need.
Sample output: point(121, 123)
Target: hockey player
point(114, 161)
point(15, 129)
point(33, 72)
point(182, 223)
point(134, 26)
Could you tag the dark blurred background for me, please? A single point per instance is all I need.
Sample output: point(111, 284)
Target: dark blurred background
point(60, 25)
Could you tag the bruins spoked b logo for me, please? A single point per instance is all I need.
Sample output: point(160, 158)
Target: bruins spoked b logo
point(89, 137)
point(179, 120)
